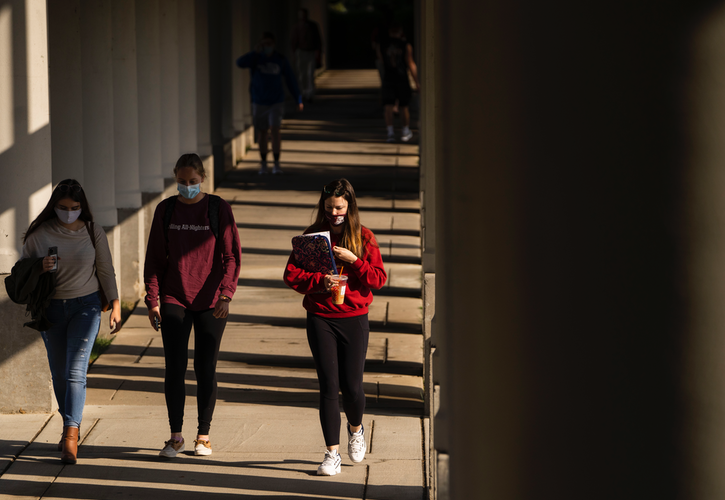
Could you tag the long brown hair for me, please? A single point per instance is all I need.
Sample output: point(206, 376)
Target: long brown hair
point(352, 229)
point(68, 188)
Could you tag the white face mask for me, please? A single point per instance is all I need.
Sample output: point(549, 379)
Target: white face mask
point(68, 216)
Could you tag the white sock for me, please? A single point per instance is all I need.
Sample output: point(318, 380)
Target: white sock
point(390, 130)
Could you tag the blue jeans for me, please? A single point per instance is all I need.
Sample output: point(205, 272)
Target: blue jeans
point(69, 343)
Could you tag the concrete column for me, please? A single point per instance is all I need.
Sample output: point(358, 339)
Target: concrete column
point(426, 49)
point(240, 46)
point(240, 80)
point(187, 76)
point(25, 160)
point(248, 43)
point(580, 194)
point(129, 233)
point(428, 136)
point(427, 10)
point(703, 380)
point(227, 29)
point(98, 122)
point(149, 96)
point(220, 84)
point(66, 89)
point(169, 64)
point(125, 105)
point(25, 163)
point(203, 111)
point(203, 103)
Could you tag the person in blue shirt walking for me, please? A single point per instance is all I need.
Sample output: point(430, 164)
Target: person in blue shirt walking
point(269, 68)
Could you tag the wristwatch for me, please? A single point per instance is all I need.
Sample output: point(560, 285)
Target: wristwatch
point(224, 298)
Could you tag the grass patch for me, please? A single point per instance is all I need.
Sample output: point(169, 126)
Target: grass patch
point(100, 346)
point(103, 342)
point(127, 309)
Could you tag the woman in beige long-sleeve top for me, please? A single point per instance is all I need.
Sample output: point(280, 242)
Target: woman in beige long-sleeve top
point(83, 267)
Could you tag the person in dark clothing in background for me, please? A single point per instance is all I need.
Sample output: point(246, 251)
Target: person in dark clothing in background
point(307, 49)
point(269, 68)
point(397, 57)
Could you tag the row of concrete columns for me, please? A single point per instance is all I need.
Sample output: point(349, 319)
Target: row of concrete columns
point(111, 93)
point(123, 96)
point(127, 86)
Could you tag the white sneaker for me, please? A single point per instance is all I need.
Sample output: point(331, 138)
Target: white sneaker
point(407, 135)
point(171, 448)
point(263, 170)
point(331, 465)
point(391, 138)
point(356, 446)
point(202, 447)
point(277, 169)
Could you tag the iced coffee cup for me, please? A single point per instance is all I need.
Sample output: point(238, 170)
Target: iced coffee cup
point(339, 284)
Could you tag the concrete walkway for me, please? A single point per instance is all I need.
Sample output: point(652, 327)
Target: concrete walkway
point(266, 434)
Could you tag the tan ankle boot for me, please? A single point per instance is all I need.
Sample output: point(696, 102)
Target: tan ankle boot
point(70, 445)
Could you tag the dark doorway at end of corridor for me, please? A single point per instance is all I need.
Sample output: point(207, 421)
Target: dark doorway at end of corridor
point(352, 25)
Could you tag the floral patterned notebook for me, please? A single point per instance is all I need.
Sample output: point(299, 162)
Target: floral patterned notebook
point(313, 252)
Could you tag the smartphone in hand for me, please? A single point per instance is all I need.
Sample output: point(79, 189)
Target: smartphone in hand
point(157, 323)
point(53, 252)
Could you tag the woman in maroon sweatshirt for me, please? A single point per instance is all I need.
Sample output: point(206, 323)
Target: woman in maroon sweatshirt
point(338, 334)
point(192, 266)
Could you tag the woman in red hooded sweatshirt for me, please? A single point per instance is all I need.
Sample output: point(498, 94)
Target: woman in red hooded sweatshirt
point(338, 334)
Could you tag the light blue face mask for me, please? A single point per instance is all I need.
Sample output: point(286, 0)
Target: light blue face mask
point(188, 192)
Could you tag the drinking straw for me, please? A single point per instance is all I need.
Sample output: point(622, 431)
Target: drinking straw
point(341, 268)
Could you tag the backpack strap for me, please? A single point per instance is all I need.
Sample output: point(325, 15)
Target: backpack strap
point(91, 228)
point(214, 209)
point(170, 204)
point(91, 232)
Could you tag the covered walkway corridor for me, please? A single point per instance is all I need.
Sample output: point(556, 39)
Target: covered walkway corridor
point(557, 271)
point(266, 435)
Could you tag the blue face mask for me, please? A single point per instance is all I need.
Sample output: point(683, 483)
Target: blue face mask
point(268, 50)
point(188, 192)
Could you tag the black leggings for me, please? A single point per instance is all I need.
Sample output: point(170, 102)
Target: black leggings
point(339, 346)
point(176, 325)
